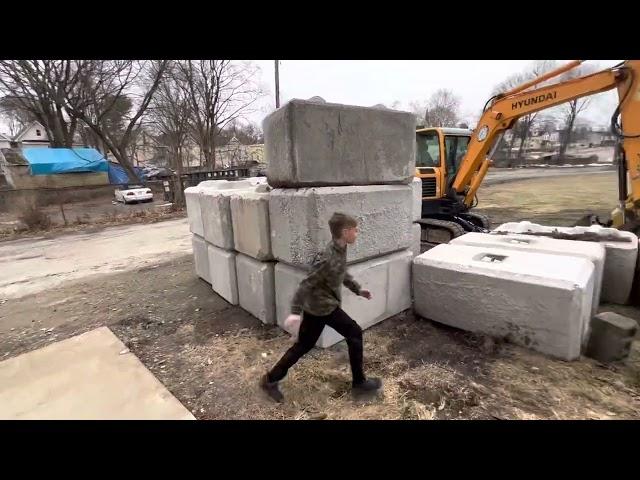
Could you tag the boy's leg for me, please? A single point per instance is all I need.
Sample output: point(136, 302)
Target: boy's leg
point(351, 331)
point(310, 330)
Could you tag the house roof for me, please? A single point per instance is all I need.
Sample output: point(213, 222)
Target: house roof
point(24, 131)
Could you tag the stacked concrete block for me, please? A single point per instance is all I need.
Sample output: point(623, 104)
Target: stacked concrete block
point(192, 200)
point(251, 226)
point(611, 337)
point(416, 230)
point(621, 255)
point(309, 144)
point(387, 277)
point(256, 287)
point(222, 268)
point(537, 300)
point(325, 158)
point(201, 257)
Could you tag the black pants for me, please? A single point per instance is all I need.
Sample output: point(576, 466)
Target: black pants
point(310, 330)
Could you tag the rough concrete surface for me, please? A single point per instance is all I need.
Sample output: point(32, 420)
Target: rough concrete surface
point(416, 187)
point(299, 220)
point(201, 258)
point(251, 227)
point(620, 262)
point(388, 278)
point(527, 243)
point(416, 236)
point(222, 268)
point(216, 213)
point(611, 337)
point(192, 200)
point(536, 300)
point(315, 144)
point(32, 265)
point(92, 376)
point(256, 288)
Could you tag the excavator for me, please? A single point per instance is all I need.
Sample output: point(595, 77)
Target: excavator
point(452, 162)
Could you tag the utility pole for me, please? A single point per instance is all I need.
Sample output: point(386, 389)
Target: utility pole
point(277, 84)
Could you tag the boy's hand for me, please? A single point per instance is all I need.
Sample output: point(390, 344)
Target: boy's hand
point(366, 294)
point(292, 325)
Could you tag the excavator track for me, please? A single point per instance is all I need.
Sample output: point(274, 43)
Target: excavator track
point(478, 219)
point(436, 231)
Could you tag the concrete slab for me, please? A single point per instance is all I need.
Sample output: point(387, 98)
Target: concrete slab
point(216, 212)
point(308, 143)
point(611, 337)
point(299, 220)
point(192, 200)
point(416, 237)
point(620, 262)
point(201, 258)
point(251, 226)
point(222, 268)
point(527, 243)
point(416, 187)
point(256, 288)
point(536, 300)
point(387, 277)
point(92, 376)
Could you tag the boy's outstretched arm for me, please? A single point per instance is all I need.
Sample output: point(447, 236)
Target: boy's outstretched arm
point(351, 284)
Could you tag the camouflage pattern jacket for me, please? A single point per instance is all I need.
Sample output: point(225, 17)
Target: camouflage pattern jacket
point(320, 292)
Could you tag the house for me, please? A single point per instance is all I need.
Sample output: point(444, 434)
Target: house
point(35, 135)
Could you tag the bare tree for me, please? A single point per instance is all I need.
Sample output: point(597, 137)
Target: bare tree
point(14, 117)
point(442, 109)
point(37, 88)
point(219, 91)
point(97, 99)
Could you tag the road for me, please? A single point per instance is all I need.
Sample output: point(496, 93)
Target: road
point(31, 265)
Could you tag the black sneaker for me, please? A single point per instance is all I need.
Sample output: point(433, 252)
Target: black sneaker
point(369, 385)
point(272, 389)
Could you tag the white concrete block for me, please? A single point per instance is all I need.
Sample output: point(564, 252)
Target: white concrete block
point(416, 187)
point(256, 288)
point(222, 268)
point(216, 212)
point(387, 277)
point(536, 300)
point(192, 200)
point(201, 258)
point(620, 261)
point(416, 239)
point(529, 243)
point(299, 220)
point(251, 227)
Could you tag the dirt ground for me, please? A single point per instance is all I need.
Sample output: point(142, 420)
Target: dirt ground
point(210, 354)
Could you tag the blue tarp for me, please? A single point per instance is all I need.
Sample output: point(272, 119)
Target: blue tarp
point(49, 161)
point(117, 175)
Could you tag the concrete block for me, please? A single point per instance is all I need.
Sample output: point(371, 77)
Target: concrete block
point(416, 187)
point(201, 258)
point(216, 212)
point(299, 220)
point(611, 337)
point(256, 288)
point(529, 243)
point(536, 300)
point(387, 277)
point(222, 268)
point(416, 239)
point(309, 144)
point(251, 227)
point(620, 261)
point(192, 200)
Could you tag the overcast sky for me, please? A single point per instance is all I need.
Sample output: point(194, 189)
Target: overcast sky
point(369, 82)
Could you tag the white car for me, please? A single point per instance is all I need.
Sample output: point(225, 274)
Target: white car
point(131, 194)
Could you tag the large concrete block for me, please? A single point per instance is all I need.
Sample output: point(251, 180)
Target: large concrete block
point(192, 200)
point(416, 239)
point(201, 258)
point(216, 212)
point(251, 227)
point(536, 300)
point(299, 220)
point(309, 143)
point(528, 243)
point(222, 268)
point(256, 288)
point(416, 187)
point(611, 337)
point(620, 262)
point(387, 277)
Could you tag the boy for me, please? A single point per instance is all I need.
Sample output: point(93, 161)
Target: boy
point(318, 299)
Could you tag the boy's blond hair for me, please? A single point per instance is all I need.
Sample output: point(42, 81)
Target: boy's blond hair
point(339, 221)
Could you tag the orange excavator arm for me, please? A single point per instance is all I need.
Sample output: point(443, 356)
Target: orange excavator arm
point(504, 109)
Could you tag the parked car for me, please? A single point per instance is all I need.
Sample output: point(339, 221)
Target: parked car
point(133, 194)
